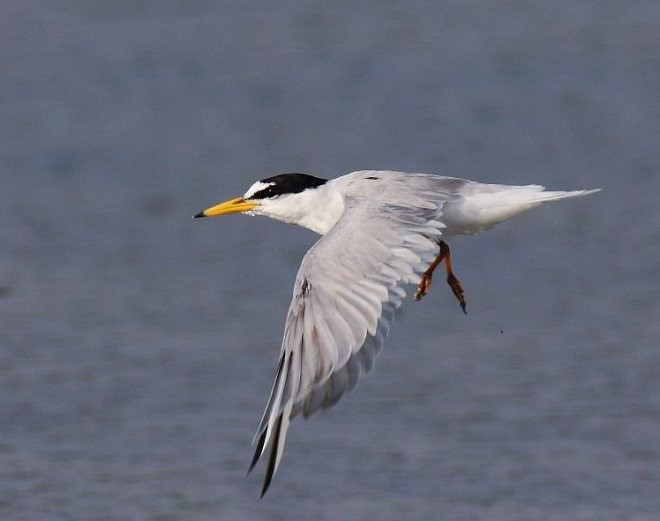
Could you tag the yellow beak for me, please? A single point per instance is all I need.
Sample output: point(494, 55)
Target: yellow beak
point(237, 205)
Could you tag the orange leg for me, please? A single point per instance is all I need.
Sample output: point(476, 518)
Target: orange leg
point(454, 284)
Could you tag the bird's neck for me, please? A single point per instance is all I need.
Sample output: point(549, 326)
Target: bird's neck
point(317, 209)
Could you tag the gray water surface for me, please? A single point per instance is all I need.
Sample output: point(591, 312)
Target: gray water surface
point(137, 346)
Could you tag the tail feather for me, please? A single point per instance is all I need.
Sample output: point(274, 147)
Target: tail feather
point(484, 206)
point(543, 196)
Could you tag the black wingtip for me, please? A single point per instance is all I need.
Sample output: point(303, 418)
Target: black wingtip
point(199, 215)
point(270, 471)
point(258, 451)
point(267, 480)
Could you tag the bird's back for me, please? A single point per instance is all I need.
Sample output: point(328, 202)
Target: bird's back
point(465, 207)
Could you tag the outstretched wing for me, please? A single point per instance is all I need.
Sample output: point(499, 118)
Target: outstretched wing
point(346, 291)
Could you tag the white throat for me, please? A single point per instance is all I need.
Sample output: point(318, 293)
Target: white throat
point(316, 209)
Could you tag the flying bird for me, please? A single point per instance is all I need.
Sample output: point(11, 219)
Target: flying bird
point(381, 231)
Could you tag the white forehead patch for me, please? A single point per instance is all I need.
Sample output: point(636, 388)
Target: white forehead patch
point(256, 187)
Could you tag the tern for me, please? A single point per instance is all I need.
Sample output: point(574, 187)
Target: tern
point(381, 231)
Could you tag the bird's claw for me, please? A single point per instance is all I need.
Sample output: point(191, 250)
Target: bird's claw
point(423, 287)
point(457, 289)
point(454, 284)
point(452, 281)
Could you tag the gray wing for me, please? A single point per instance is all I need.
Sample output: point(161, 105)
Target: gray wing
point(346, 291)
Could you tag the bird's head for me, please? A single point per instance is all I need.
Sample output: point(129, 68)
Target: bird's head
point(284, 197)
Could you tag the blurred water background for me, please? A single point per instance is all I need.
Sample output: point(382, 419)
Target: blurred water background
point(137, 346)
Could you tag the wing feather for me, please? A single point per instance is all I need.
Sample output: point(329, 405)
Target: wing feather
point(346, 292)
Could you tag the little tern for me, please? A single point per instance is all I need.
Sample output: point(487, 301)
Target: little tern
point(381, 230)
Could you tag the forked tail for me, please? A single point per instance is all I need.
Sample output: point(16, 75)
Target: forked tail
point(483, 206)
